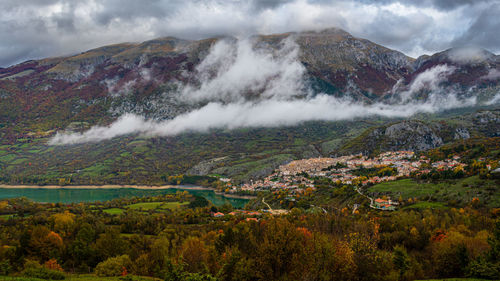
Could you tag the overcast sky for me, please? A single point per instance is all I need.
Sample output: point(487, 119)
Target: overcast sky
point(32, 29)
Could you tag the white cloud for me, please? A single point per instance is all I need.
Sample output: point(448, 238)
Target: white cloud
point(127, 124)
point(270, 113)
point(494, 100)
point(279, 98)
point(493, 74)
point(36, 29)
point(238, 70)
point(428, 80)
point(469, 54)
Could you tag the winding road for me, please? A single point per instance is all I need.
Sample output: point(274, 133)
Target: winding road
point(323, 209)
point(371, 199)
point(269, 206)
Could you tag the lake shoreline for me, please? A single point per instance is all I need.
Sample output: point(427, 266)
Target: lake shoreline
point(139, 187)
point(108, 186)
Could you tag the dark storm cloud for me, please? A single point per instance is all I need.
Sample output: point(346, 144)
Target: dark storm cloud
point(260, 5)
point(452, 4)
point(388, 29)
point(133, 9)
point(440, 4)
point(484, 31)
point(31, 29)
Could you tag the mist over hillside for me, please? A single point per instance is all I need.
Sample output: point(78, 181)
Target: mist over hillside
point(279, 80)
point(168, 86)
point(255, 102)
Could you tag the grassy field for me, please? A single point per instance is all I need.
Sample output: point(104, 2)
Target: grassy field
point(6, 217)
point(145, 206)
point(460, 190)
point(172, 205)
point(114, 211)
point(156, 205)
point(79, 278)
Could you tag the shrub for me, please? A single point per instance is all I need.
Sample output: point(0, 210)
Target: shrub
point(43, 273)
point(198, 202)
point(31, 264)
point(113, 266)
point(5, 267)
point(199, 277)
point(53, 265)
point(481, 268)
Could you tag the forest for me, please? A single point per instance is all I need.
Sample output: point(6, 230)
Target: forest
point(186, 242)
point(445, 226)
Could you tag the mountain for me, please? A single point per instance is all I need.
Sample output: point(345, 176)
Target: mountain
point(341, 62)
point(40, 97)
point(101, 84)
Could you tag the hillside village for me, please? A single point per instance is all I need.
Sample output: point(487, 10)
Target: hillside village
point(298, 176)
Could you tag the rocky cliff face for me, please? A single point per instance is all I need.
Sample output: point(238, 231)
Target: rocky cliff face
point(412, 135)
point(406, 135)
point(486, 123)
point(418, 135)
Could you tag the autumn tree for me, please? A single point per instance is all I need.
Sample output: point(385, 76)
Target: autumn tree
point(281, 251)
point(83, 255)
point(114, 266)
point(194, 255)
point(110, 244)
point(44, 243)
point(401, 260)
point(63, 222)
point(488, 265)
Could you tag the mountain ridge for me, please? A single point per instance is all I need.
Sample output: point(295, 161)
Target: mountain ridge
point(99, 85)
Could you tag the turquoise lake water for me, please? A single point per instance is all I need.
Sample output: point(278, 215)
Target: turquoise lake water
point(76, 195)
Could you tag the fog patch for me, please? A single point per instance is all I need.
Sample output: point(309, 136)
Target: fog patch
point(126, 124)
point(236, 70)
point(239, 85)
point(429, 80)
point(494, 100)
point(145, 74)
point(468, 55)
point(270, 113)
point(493, 74)
point(117, 88)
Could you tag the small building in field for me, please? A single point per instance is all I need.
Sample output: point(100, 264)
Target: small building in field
point(386, 205)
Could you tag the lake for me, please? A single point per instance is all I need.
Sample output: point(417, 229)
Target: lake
point(76, 195)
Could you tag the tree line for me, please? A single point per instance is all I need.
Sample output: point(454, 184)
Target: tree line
point(190, 244)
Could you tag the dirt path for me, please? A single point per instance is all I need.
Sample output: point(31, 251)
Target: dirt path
point(270, 209)
point(371, 199)
point(322, 209)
